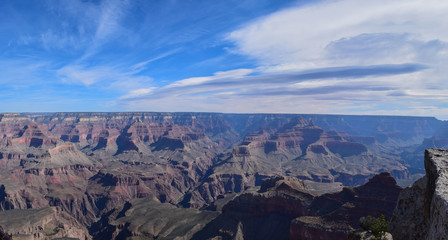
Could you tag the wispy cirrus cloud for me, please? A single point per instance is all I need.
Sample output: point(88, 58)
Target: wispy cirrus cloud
point(337, 56)
point(268, 84)
point(108, 26)
point(22, 73)
point(137, 93)
point(238, 90)
point(140, 66)
point(102, 76)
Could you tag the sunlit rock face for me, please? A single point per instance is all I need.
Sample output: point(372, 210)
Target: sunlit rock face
point(86, 164)
point(421, 209)
point(297, 148)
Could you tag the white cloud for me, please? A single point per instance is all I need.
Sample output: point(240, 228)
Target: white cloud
point(250, 83)
point(81, 75)
point(288, 45)
point(21, 73)
point(189, 86)
point(345, 33)
point(142, 65)
point(104, 76)
point(111, 12)
point(138, 93)
point(297, 38)
point(231, 74)
point(302, 92)
point(108, 24)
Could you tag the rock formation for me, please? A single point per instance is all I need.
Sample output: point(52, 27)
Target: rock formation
point(286, 208)
point(84, 165)
point(337, 214)
point(149, 219)
point(421, 209)
point(43, 223)
point(292, 150)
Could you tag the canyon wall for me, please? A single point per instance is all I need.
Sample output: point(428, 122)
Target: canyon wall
point(422, 209)
point(84, 165)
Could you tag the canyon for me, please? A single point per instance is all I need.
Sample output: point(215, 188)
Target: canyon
point(204, 175)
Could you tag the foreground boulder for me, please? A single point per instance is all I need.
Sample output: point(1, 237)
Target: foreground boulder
point(422, 209)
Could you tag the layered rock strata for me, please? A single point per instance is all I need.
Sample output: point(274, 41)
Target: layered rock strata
point(298, 148)
point(86, 164)
point(286, 208)
point(421, 212)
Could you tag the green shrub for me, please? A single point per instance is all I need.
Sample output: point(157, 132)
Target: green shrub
point(377, 226)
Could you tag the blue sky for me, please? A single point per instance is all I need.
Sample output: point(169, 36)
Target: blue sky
point(282, 56)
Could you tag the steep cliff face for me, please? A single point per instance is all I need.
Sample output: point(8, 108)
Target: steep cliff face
point(408, 221)
point(286, 208)
point(86, 164)
point(421, 210)
point(297, 148)
point(263, 214)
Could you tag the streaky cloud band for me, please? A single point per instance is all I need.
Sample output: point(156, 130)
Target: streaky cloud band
point(362, 71)
point(276, 80)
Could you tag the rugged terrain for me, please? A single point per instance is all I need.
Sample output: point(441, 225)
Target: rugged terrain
point(422, 207)
point(282, 208)
point(84, 166)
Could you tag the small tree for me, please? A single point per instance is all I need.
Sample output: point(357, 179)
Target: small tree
point(377, 226)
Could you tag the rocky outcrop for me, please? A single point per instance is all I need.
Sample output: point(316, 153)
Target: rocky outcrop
point(43, 223)
point(283, 208)
point(263, 214)
point(286, 208)
point(315, 227)
point(86, 164)
point(421, 210)
point(337, 214)
point(147, 218)
point(37, 188)
point(55, 159)
point(408, 221)
point(292, 150)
